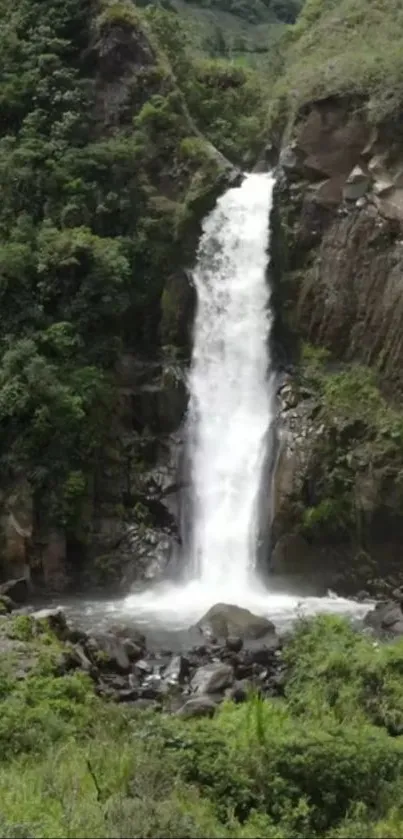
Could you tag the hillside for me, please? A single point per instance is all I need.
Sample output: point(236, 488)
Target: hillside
point(342, 47)
point(112, 148)
point(249, 31)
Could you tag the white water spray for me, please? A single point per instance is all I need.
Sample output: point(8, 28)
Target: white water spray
point(230, 411)
point(230, 394)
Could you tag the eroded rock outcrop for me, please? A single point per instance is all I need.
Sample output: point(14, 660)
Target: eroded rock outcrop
point(340, 204)
point(338, 264)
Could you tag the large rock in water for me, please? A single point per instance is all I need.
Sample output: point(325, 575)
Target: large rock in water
point(224, 620)
point(386, 617)
point(17, 590)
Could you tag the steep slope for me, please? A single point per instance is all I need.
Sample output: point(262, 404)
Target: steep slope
point(231, 28)
point(105, 173)
point(338, 110)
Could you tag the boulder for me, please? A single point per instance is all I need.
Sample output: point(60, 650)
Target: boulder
point(6, 605)
point(151, 689)
point(199, 706)
point(239, 691)
point(132, 650)
point(263, 654)
point(177, 670)
point(17, 590)
point(127, 695)
point(357, 184)
point(55, 619)
point(78, 658)
point(142, 668)
point(212, 678)
point(234, 644)
point(386, 617)
point(224, 620)
point(109, 652)
point(131, 632)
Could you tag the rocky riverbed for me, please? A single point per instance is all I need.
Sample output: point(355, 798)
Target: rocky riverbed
point(228, 653)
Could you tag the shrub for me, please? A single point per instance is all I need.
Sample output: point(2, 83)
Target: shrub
point(343, 47)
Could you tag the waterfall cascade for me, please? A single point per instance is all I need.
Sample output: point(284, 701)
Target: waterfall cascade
point(230, 411)
point(230, 386)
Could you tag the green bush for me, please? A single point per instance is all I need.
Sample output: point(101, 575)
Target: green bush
point(336, 670)
point(326, 761)
point(348, 47)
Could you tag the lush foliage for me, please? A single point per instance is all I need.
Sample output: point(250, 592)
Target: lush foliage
point(285, 10)
point(361, 433)
point(97, 203)
point(325, 761)
point(227, 100)
point(233, 28)
point(350, 47)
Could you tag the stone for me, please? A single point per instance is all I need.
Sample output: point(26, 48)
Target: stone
point(234, 643)
point(55, 619)
point(131, 632)
point(78, 655)
point(109, 652)
point(143, 667)
point(6, 604)
point(263, 654)
point(132, 650)
point(177, 669)
point(127, 695)
point(390, 205)
point(239, 691)
point(382, 186)
point(288, 159)
point(212, 678)
point(17, 590)
point(386, 617)
point(151, 690)
point(200, 706)
point(143, 704)
point(224, 619)
point(356, 185)
point(76, 635)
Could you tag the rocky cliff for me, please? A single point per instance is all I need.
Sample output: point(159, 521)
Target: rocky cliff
point(339, 268)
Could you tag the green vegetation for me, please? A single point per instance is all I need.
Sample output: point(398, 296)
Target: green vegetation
point(100, 206)
point(325, 761)
point(348, 47)
point(361, 433)
point(234, 29)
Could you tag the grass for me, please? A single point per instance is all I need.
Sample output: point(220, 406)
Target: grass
point(349, 47)
point(362, 434)
point(325, 761)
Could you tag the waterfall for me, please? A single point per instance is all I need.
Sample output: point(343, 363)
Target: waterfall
point(230, 386)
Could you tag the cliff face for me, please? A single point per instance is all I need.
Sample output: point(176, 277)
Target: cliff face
point(339, 269)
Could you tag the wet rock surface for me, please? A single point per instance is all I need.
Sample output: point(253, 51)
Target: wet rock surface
point(192, 683)
point(224, 620)
point(16, 590)
point(387, 616)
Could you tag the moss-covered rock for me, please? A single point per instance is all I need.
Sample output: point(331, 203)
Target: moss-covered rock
point(338, 495)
